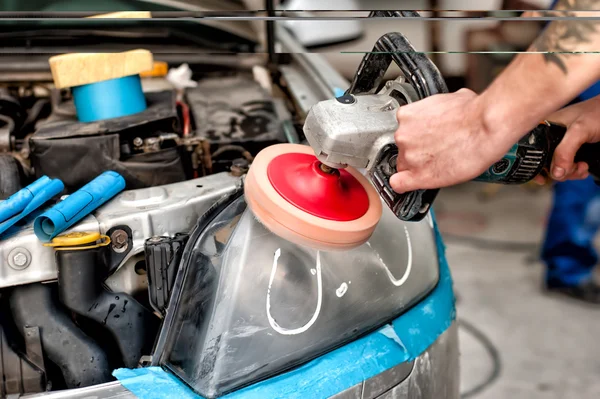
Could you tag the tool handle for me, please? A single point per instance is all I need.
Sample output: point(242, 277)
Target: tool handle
point(426, 80)
point(533, 154)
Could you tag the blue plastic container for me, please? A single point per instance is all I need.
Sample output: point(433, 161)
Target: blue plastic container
point(77, 205)
point(109, 99)
point(28, 199)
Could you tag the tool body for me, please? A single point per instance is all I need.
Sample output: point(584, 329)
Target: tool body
point(318, 196)
point(357, 129)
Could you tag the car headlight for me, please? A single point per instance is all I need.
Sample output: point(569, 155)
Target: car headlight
point(248, 304)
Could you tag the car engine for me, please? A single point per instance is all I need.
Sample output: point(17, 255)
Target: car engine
point(68, 319)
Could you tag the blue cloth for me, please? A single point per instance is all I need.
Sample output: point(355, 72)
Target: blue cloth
point(568, 249)
point(404, 339)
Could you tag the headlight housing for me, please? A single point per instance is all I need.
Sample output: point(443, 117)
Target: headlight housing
point(248, 305)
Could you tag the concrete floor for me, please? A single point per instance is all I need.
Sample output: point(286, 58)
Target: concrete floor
point(548, 345)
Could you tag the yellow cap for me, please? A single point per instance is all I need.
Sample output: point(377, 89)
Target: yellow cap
point(159, 69)
point(79, 240)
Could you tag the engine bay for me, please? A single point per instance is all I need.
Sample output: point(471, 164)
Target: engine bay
point(55, 319)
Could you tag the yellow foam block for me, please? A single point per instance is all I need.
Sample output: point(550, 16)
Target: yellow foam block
point(124, 14)
point(77, 69)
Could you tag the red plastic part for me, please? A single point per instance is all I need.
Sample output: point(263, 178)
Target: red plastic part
point(299, 179)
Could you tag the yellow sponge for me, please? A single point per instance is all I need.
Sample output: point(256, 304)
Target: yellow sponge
point(77, 69)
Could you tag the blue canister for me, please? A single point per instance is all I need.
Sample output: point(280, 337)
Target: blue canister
point(109, 99)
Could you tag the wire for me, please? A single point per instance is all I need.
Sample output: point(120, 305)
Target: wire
point(493, 353)
point(185, 111)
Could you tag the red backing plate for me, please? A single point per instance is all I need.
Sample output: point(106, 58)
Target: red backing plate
point(298, 178)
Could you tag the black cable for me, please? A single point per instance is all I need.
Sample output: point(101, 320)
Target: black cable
point(491, 350)
point(490, 244)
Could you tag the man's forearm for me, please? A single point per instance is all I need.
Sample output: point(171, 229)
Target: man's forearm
point(537, 84)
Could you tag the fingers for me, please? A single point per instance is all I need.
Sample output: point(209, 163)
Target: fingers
point(539, 179)
point(403, 182)
point(564, 156)
point(581, 171)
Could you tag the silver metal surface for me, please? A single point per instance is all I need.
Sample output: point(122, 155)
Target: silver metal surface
point(354, 133)
point(19, 258)
point(163, 210)
point(432, 375)
point(436, 373)
point(126, 279)
point(352, 393)
point(254, 304)
point(111, 390)
point(381, 383)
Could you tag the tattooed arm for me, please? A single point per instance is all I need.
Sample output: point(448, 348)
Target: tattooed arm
point(452, 138)
point(561, 63)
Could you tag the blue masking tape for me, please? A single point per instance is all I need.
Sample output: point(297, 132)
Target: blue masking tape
point(337, 92)
point(403, 340)
point(109, 99)
point(77, 205)
point(28, 199)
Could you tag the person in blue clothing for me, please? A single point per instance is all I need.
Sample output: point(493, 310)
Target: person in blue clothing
point(568, 249)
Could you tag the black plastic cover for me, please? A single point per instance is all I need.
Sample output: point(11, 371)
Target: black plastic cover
point(77, 152)
point(163, 255)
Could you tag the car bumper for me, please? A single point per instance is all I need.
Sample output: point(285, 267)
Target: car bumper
point(434, 374)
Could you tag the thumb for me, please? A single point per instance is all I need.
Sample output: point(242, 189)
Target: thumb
point(564, 156)
point(403, 182)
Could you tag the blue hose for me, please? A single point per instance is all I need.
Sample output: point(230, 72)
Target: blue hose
point(28, 199)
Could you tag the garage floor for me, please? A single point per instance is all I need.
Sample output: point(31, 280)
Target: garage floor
point(547, 344)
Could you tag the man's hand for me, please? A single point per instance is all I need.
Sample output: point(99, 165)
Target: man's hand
point(583, 126)
point(443, 140)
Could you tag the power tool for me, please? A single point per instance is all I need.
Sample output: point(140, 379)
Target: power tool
point(323, 201)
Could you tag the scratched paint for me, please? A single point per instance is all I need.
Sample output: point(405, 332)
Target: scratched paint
point(402, 280)
point(341, 290)
point(299, 330)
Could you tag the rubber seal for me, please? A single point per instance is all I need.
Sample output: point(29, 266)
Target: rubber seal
point(299, 179)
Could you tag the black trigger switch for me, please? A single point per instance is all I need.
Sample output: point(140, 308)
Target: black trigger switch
point(346, 99)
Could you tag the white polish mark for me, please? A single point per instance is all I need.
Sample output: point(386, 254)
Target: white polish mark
point(305, 327)
point(403, 279)
point(341, 290)
point(313, 271)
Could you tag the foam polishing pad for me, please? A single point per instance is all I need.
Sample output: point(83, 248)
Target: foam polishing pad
point(299, 199)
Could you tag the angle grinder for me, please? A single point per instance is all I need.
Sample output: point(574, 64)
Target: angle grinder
point(316, 196)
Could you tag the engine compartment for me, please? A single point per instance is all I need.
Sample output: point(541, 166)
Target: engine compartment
point(61, 329)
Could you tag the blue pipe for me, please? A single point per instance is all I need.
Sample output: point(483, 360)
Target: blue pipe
point(77, 205)
point(28, 199)
point(108, 99)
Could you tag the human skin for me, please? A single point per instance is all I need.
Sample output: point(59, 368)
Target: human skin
point(451, 138)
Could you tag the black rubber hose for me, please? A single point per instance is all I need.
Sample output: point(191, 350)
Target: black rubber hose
point(10, 176)
point(82, 362)
point(133, 327)
point(494, 357)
